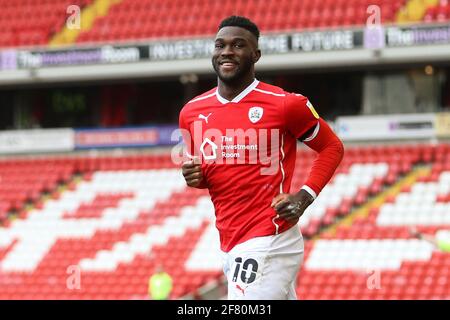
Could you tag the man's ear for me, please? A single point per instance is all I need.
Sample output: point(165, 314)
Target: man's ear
point(256, 55)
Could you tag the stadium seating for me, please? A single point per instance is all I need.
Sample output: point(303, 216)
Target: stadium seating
point(116, 218)
point(376, 257)
point(31, 23)
point(149, 19)
point(27, 23)
point(438, 13)
point(23, 181)
point(107, 224)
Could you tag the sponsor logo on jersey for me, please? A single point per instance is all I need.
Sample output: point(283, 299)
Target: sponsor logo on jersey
point(211, 155)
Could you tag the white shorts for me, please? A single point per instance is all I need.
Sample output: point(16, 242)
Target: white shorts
point(265, 268)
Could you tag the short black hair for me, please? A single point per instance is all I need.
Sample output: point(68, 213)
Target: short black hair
point(241, 22)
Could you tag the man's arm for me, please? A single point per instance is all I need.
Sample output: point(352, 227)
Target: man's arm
point(330, 153)
point(304, 123)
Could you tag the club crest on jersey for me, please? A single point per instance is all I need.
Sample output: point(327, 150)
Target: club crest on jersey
point(255, 114)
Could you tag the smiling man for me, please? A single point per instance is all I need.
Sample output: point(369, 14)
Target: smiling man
point(228, 130)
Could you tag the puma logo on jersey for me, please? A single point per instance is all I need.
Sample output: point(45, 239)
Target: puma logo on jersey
point(200, 116)
point(241, 289)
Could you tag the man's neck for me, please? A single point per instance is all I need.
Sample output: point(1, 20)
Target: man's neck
point(230, 91)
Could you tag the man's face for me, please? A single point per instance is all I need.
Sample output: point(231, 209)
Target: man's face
point(235, 53)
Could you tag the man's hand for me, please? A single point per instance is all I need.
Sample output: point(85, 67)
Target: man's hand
point(192, 173)
point(292, 206)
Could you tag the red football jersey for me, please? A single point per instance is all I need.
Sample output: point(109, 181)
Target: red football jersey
point(248, 152)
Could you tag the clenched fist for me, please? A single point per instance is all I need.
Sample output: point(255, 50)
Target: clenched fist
point(292, 206)
point(192, 173)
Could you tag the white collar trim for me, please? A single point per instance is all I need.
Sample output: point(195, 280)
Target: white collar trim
point(240, 96)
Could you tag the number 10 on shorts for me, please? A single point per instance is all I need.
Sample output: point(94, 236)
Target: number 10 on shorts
point(245, 271)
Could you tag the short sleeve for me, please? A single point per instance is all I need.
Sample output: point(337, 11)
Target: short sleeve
point(300, 115)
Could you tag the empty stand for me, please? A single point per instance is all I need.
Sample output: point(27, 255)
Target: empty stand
point(24, 181)
point(31, 23)
point(376, 257)
point(149, 19)
point(438, 13)
point(122, 216)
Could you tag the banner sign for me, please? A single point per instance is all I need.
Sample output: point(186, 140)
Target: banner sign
point(8, 60)
point(104, 54)
point(123, 137)
point(386, 127)
point(443, 125)
point(269, 44)
point(308, 41)
point(419, 35)
point(36, 140)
